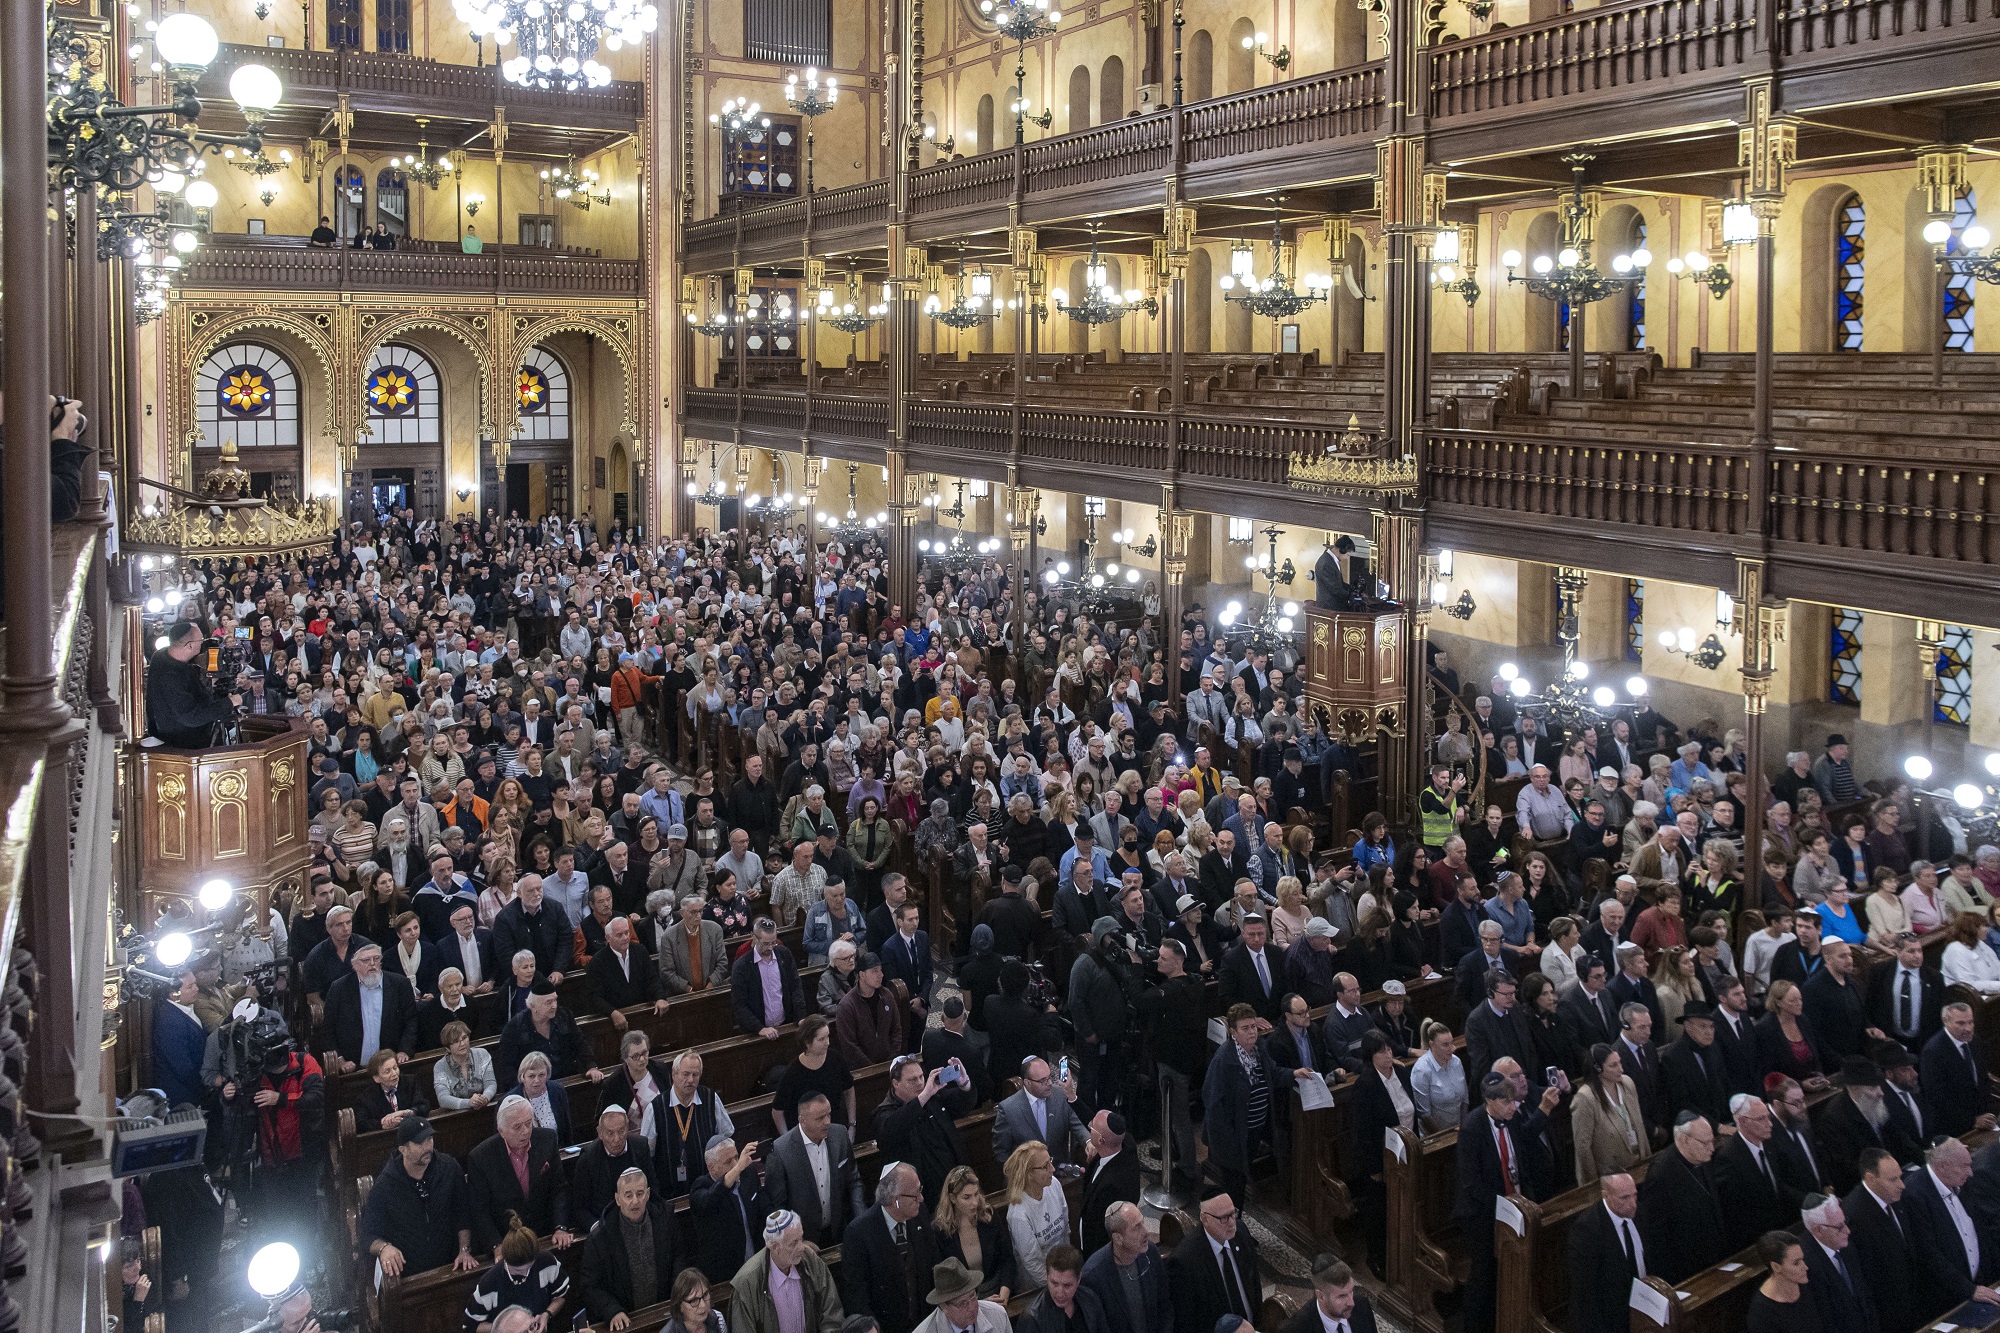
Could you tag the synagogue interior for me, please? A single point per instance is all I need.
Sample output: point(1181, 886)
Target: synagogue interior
point(964, 666)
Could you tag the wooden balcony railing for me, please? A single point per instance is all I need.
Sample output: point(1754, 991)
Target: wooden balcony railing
point(1287, 116)
point(313, 78)
point(292, 265)
point(1696, 488)
point(1888, 506)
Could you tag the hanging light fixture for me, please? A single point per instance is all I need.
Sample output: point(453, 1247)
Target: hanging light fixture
point(1272, 296)
point(972, 299)
point(556, 41)
point(1738, 227)
point(1102, 303)
point(850, 316)
point(1569, 276)
point(1023, 21)
point(418, 166)
point(574, 188)
point(1447, 274)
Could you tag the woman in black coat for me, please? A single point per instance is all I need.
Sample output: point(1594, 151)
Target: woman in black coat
point(1376, 1109)
point(969, 1231)
point(1786, 1043)
point(372, 1110)
point(1552, 1042)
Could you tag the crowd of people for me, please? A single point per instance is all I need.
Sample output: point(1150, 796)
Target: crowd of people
point(586, 777)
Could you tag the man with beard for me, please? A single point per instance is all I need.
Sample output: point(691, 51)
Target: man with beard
point(1856, 1119)
point(398, 855)
point(368, 1011)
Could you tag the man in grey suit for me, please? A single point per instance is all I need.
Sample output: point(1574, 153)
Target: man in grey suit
point(811, 1171)
point(1205, 704)
point(692, 950)
point(1040, 1111)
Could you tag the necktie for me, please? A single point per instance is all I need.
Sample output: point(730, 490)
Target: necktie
point(1764, 1165)
point(1840, 1266)
point(1263, 976)
point(1239, 1303)
point(1908, 1007)
point(1506, 1157)
point(1971, 1065)
point(1631, 1247)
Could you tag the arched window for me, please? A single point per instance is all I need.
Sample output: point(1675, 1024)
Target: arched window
point(541, 391)
point(392, 202)
point(1954, 675)
point(1079, 98)
point(343, 24)
point(1635, 335)
point(1844, 657)
point(1850, 227)
point(392, 26)
point(1199, 76)
point(1111, 91)
point(400, 392)
point(1958, 286)
point(1241, 60)
point(351, 200)
point(247, 394)
point(984, 122)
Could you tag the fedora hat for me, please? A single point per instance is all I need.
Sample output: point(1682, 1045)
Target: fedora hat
point(951, 1280)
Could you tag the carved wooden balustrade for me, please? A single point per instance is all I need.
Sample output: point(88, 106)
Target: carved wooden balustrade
point(289, 264)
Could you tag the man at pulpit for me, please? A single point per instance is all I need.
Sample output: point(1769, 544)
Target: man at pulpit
point(1341, 579)
point(181, 708)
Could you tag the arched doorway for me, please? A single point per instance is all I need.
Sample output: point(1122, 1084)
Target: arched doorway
point(538, 461)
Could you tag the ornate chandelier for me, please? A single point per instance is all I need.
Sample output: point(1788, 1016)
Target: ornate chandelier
point(418, 166)
point(852, 526)
point(1102, 303)
point(1570, 277)
point(1022, 22)
point(850, 316)
point(972, 300)
point(574, 189)
point(1272, 296)
point(557, 40)
point(1569, 703)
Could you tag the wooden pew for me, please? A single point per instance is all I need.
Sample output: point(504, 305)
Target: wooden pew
point(1425, 1259)
point(1534, 1262)
point(1715, 1300)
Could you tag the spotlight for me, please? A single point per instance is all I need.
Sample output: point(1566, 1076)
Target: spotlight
point(1918, 767)
point(274, 1270)
point(174, 949)
point(216, 894)
point(1968, 796)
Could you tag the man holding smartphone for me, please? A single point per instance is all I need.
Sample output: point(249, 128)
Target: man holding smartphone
point(914, 1123)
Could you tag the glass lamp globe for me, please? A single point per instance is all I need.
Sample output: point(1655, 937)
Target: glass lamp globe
point(255, 88)
point(186, 41)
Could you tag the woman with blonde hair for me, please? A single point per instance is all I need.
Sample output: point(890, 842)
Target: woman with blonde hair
point(1674, 978)
point(499, 891)
point(1037, 1213)
point(1290, 916)
point(968, 1231)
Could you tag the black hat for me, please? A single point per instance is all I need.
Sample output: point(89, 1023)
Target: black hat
point(1858, 1071)
point(954, 1008)
point(1010, 874)
point(1496, 1085)
point(1698, 1009)
point(414, 1129)
point(542, 986)
point(1892, 1056)
point(868, 962)
point(1835, 739)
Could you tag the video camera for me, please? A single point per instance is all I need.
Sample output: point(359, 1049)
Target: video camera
point(253, 1047)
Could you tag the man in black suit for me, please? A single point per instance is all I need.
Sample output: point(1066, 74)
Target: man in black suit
point(1347, 1022)
point(886, 1250)
point(1298, 1042)
point(1496, 1029)
point(1629, 983)
point(496, 1189)
point(593, 1177)
point(1750, 1176)
point(1735, 1037)
point(948, 1042)
point(1612, 928)
point(1213, 1272)
point(1950, 1270)
point(1642, 1064)
point(1836, 1285)
point(469, 948)
point(1908, 1121)
point(1588, 1015)
point(1335, 1299)
point(1691, 1074)
point(1112, 1176)
point(1904, 999)
point(764, 964)
point(1833, 1007)
point(1800, 960)
point(729, 1204)
point(622, 975)
point(1958, 1097)
point(1680, 1212)
point(1501, 1151)
point(1605, 1254)
point(1881, 1234)
point(1794, 1139)
point(1857, 1118)
point(390, 1009)
point(1472, 969)
point(1251, 972)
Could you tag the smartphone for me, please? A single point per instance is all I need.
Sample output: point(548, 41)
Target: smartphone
point(242, 631)
point(1552, 1077)
point(949, 1075)
point(1062, 1070)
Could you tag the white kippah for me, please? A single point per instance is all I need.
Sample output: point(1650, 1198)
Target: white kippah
point(778, 1223)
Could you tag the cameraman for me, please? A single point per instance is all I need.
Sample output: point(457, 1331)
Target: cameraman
point(288, 1097)
point(181, 709)
point(66, 459)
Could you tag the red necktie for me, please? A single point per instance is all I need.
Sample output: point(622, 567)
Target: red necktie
point(1506, 1159)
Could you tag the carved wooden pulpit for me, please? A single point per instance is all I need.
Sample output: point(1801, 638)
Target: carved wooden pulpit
point(235, 812)
point(1356, 671)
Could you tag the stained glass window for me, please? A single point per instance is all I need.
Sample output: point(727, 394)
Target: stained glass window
point(541, 389)
point(392, 26)
point(1849, 249)
point(1635, 619)
point(400, 391)
point(343, 24)
point(247, 394)
point(1844, 657)
point(1958, 286)
point(1954, 675)
point(1635, 337)
point(763, 160)
point(1562, 326)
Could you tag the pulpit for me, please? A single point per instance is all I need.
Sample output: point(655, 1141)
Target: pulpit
point(1357, 671)
point(234, 812)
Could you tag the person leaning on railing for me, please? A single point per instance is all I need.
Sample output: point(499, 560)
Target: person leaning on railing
point(66, 457)
point(181, 707)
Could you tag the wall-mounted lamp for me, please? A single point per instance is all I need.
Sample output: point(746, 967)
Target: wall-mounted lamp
point(1708, 654)
point(1281, 59)
point(464, 492)
point(473, 203)
point(1725, 612)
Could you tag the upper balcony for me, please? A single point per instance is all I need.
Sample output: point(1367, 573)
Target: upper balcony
point(1619, 72)
point(287, 264)
point(400, 86)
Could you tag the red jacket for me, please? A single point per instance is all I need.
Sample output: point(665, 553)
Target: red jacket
point(282, 1128)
